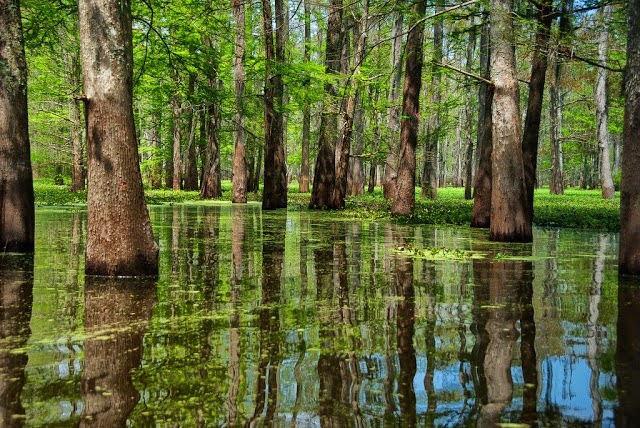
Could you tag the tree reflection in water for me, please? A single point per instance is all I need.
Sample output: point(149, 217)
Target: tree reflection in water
point(16, 299)
point(117, 312)
point(628, 354)
point(503, 292)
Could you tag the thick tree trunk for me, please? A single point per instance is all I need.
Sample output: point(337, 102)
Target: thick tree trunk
point(16, 182)
point(119, 236)
point(509, 220)
point(275, 168)
point(530, 139)
point(629, 258)
point(606, 181)
point(481, 217)
point(430, 168)
point(239, 183)
point(393, 123)
point(405, 199)
point(303, 181)
point(324, 172)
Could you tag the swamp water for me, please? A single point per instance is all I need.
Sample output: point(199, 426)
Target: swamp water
point(293, 318)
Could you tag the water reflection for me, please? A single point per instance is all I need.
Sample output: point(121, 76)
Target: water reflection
point(117, 313)
point(16, 298)
point(296, 318)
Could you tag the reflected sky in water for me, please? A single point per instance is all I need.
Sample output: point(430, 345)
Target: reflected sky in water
point(296, 318)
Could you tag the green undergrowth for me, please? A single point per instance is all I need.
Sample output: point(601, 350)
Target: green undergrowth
point(581, 209)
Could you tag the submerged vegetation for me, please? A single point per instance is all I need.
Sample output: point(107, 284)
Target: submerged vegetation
point(579, 209)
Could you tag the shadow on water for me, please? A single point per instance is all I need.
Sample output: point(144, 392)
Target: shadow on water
point(16, 299)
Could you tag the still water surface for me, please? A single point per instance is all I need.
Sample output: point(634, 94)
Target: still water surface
point(292, 318)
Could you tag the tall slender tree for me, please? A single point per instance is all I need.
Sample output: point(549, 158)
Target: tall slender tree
point(16, 182)
point(211, 186)
point(405, 199)
point(629, 258)
point(602, 107)
point(275, 168)
point(239, 182)
point(509, 220)
point(303, 181)
point(119, 236)
point(324, 172)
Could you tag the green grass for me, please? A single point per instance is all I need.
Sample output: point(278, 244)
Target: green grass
point(582, 209)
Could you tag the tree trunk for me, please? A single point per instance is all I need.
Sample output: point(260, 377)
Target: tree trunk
point(275, 169)
point(530, 139)
point(342, 160)
point(468, 115)
point(16, 182)
point(190, 162)
point(393, 124)
point(430, 169)
point(509, 220)
point(176, 107)
point(629, 258)
point(356, 167)
point(481, 217)
point(303, 181)
point(405, 199)
point(239, 184)
point(119, 236)
point(211, 186)
point(324, 172)
point(606, 181)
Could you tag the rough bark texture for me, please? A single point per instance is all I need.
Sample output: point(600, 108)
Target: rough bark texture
point(122, 308)
point(275, 168)
point(119, 236)
point(627, 362)
point(393, 123)
point(629, 258)
point(530, 139)
point(324, 172)
point(509, 221)
point(481, 217)
point(602, 108)
point(16, 182)
point(405, 199)
point(239, 182)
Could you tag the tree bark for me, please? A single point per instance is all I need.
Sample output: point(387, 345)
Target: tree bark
point(468, 115)
point(119, 236)
point(176, 107)
point(324, 172)
point(430, 168)
point(629, 257)
point(602, 131)
point(303, 181)
point(239, 182)
point(16, 182)
point(275, 168)
point(509, 220)
point(211, 187)
point(342, 159)
point(405, 199)
point(481, 217)
point(190, 163)
point(393, 123)
point(530, 139)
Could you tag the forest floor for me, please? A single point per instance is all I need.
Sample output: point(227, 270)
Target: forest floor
point(582, 209)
